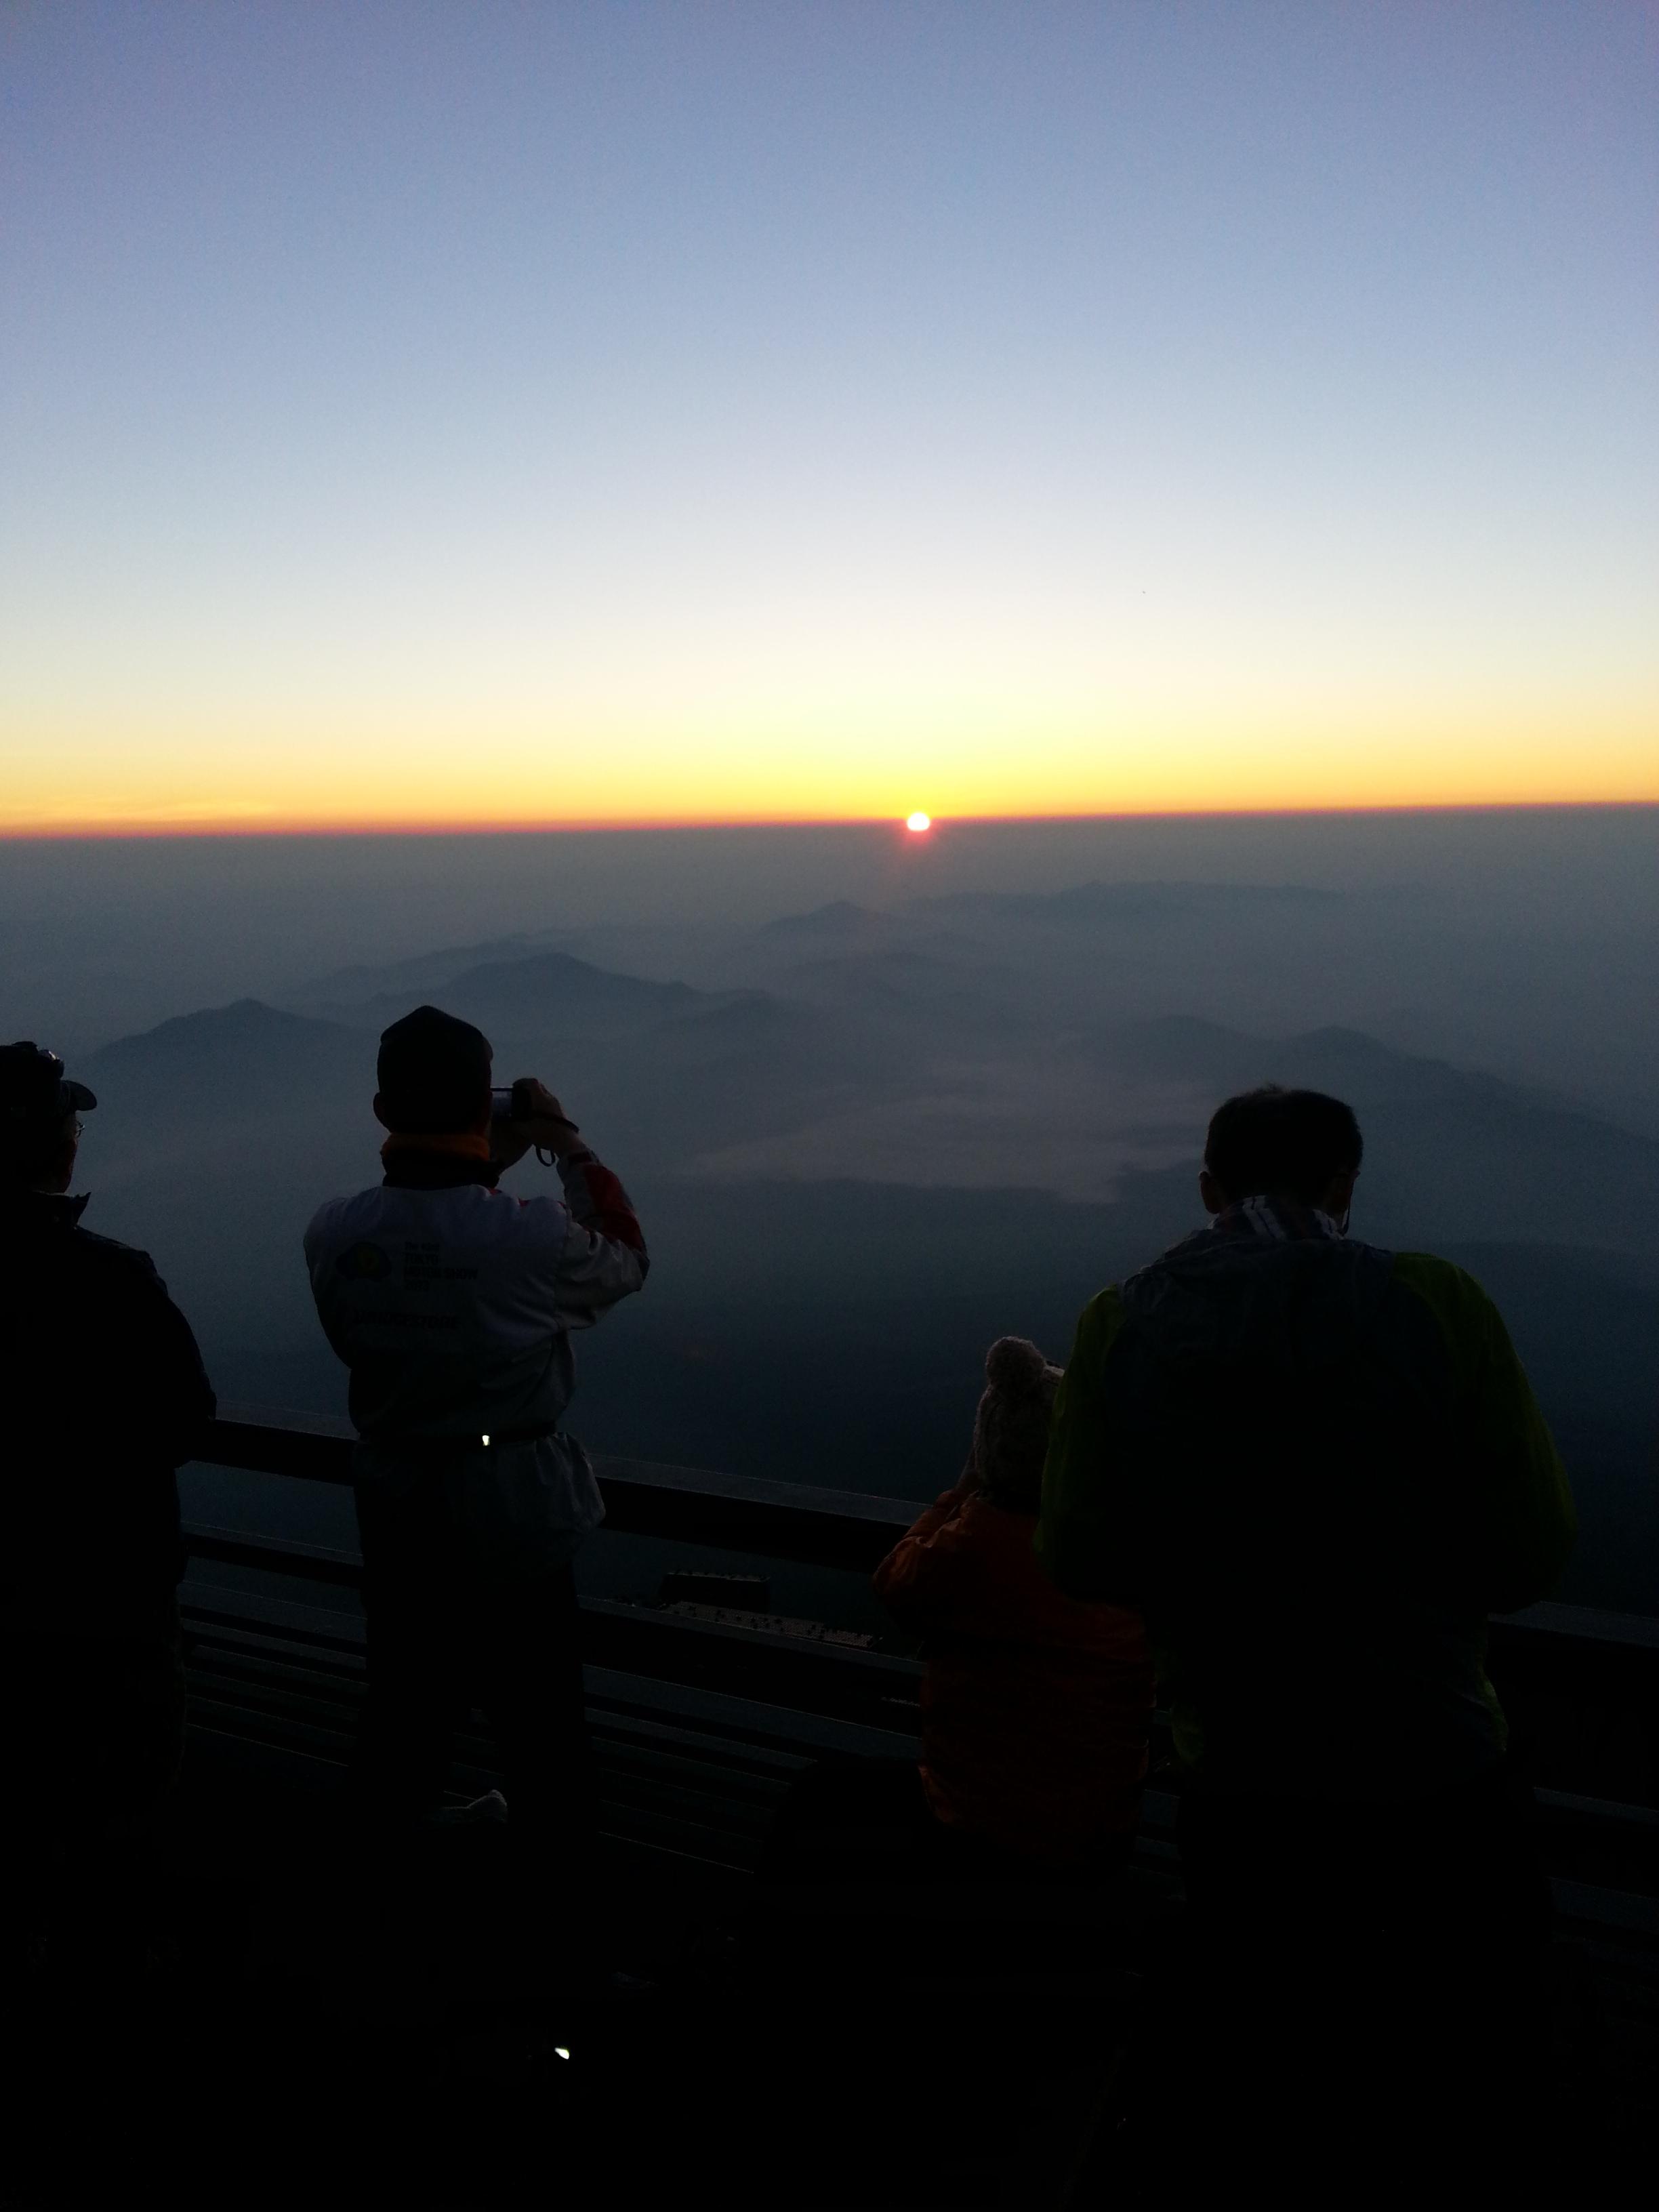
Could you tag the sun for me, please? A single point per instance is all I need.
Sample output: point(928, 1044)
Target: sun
point(918, 822)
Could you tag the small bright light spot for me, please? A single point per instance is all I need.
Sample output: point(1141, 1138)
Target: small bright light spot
point(558, 2053)
point(486, 1440)
point(918, 822)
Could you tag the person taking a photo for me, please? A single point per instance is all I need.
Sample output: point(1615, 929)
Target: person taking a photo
point(453, 1303)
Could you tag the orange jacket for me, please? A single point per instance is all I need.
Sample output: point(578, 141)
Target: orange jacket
point(1034, 1706)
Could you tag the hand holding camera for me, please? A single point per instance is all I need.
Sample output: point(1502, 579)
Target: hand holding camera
point(528, 1115)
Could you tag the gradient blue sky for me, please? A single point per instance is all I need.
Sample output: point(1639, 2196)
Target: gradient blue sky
point(457, 413)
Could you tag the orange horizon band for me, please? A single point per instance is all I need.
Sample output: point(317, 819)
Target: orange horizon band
point(497, 825)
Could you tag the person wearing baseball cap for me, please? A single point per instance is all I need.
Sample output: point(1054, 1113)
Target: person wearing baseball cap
point(106, 1397)
point(453, 1305)
point(38, 1102)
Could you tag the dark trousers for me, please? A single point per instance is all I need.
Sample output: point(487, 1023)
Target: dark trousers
point(445, 1635)
point(1367, 1980)
point(94, 1736)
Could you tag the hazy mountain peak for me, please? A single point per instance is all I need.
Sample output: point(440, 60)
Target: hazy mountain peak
point(565, 969)
point(244, 1021)
point(542, 997)
point(422, 971)
point(839, 918)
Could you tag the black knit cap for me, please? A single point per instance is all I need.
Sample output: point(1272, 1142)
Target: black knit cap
point(434, 1072)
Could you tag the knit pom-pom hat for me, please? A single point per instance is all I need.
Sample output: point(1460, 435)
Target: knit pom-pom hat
point(1010, 1429)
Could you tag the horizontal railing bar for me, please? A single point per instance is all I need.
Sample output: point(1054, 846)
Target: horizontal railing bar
point(848, 1529)
point(626, 1699)
point(312, 1447)
point(852, 1683)
point(1587, 1624)
point(274, 1555)
point(738, 1513)
point(1606, 1812)
point(723, 1512)
point(260, 1614)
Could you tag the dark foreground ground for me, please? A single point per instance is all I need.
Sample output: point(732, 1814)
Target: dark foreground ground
point(843, 2038)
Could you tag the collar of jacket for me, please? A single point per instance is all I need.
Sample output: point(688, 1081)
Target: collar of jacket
point(406, 1169)
point(1276, 1220)
point(457, 1143)
point(42, 1209)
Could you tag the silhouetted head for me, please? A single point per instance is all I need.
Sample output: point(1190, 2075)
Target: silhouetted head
point(1289, 1144)
point(434, 1073)
point(1010, 1429)
point(40, 1117)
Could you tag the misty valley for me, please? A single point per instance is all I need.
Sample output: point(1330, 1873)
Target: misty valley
point(867, 1139)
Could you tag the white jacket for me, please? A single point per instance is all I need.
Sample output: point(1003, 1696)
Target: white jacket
point(452, 1303)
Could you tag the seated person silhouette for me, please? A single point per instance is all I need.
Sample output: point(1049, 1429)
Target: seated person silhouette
point(1034, 1706)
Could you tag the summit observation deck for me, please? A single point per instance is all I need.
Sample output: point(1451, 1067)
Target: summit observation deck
point(792, 2027)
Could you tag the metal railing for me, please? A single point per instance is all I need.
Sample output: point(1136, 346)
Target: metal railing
point(1581, 1685)
point(836, 1682)
point(837, 1528)
point(773, 1520)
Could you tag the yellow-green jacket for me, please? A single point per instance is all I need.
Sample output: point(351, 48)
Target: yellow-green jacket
point(1317, 1466)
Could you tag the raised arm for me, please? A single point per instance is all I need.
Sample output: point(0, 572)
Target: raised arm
point(604, 1256)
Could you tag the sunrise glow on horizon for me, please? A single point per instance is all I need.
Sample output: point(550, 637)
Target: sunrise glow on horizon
point(435, 784)
point(766, 417)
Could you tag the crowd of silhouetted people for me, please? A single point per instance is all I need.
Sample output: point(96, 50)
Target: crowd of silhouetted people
point(1279, 1484)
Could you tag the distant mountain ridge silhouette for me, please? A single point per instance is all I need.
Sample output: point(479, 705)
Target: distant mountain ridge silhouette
point(1444, 1143)
point(791, 1150)
point(246, 1062)
point(534, 992)
point(242, 1023)
point(558, 986)
point(423, 972)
